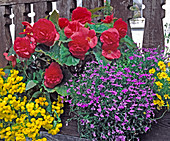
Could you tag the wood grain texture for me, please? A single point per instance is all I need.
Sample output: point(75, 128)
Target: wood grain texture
point(20, 11)
point(41, 10)
point(14, 2)
point(121, 10)
point(91, 4)
point(72, 128)
point(160, 130)
point(153, 32)
point(65, 7)
point(5, 36)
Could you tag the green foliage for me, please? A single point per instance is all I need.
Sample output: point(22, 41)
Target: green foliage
point(66, 57)
point(11, 51)
point(99, 28)
point(54, 18)
point(98, 54)
point(31, 84)
point(128, 42)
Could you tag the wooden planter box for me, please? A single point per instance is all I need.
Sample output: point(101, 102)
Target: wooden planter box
point(160, 131)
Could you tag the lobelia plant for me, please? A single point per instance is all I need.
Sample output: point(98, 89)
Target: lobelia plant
point(155, 63)
point(111, 102)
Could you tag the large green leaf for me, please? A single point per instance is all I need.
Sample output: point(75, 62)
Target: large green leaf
point(54, 18)
point(129, 42)
point(37, 94)
point(49, 107)
point(63, 37)
point(98, 54)
point(66, 57)
point(62, 90)
point(53, 53)
point(98, 28)
point(96, 9)
point(31, 84)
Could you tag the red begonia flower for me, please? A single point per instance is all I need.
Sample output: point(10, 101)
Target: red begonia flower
point(82, 15)
point(108, 19)
point(110, 37)
point(122, 27)
point(10, 58)
point(53, 75)
point(111, 54)
point(63, 22)
point(44, 32)
point(73, 26)
point(24, 46)
point(78, 47)
point(89, 35)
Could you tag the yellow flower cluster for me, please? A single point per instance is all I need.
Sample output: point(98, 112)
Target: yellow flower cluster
point(162, 83)
point(20, 119)
point(56, 106)
point(12, 84)
point(160, 102)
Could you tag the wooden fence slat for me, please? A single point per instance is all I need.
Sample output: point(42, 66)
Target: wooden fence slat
point(41, 10)
point(65, 7)
point(153, 31)
point(6, 40)
point(91, 4)
point(20, 14)
point(121, 10)
point(14, 2)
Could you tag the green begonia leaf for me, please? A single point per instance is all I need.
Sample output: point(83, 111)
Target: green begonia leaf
point(98, 54)
point(53, 53)
point(66, 57)
point(98, 28)
point(62, 90)
point(129, 42)
point(36, 94)
point(31, 84)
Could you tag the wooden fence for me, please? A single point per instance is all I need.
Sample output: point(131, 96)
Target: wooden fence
point(153, 13)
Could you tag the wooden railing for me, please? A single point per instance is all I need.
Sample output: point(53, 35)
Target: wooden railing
point(153, 14)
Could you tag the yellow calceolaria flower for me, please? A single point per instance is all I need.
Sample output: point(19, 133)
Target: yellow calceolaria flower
point(152, 71)
point(168, 78)
point(14, 112)
point(161, 103)
point(2, 73)
point(161, 64)
point(159, 75)
point(159, 84)
point(164, 75)
point(163, 69)
point(54, 131)
point(159, 96)
point(30, 106)
point(166, 96)
point(168, 64)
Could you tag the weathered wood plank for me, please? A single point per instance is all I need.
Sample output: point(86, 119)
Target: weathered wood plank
point(91, 4)
point(72, 128)
point(6, 40)
point(41, 10)
point(20, 14)
point(153, 32)
point(14, 2)
point(121, 10)
point(65, 7)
